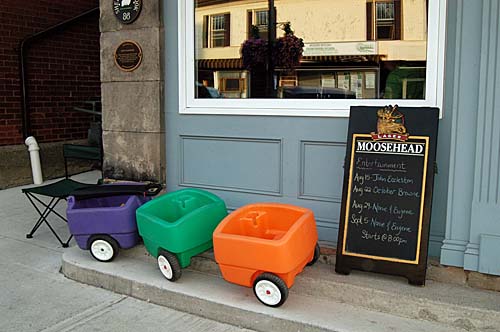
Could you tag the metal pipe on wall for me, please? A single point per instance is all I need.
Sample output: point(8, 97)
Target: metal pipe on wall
point(36, 166)
point(271, 31)
point(23, 48)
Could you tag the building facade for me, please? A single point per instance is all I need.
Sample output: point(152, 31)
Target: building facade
point(60, 66)
point(249, 146)
point(50, 85)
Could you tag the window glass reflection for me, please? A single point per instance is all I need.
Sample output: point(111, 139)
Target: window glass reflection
point(321, 49)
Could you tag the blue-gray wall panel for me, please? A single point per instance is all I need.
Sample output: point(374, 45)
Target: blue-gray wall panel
point(464, 35)
point(321, 161)
point(234, 164)
point(485, 221)
point(488, 254)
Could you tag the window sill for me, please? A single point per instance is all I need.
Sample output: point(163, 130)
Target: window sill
point(339, 111)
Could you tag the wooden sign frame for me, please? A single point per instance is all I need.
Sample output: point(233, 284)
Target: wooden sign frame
point(365, 240)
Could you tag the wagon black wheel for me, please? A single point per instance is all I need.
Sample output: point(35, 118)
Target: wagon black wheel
point(103, 248)
point(270, 289)
point(315, 256)
point(169, 265)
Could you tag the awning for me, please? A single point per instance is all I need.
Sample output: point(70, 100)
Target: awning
point(220, 64)
point(342, 58)
point(238, 63)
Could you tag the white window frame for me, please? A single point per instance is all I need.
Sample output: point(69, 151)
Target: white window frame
point(212, 31)
point(254, 19)
point(404, 83)
point(188, 104)
point(383, 22)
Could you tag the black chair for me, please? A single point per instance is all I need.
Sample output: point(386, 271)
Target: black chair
point(85, 152)
point(61, 189)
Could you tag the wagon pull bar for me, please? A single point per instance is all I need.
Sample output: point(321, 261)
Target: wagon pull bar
point(105, 190)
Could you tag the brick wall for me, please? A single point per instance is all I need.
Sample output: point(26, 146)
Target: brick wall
point(63, 69)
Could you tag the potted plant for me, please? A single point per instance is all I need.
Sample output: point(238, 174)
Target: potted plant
point(288, 49)
point(254, 51)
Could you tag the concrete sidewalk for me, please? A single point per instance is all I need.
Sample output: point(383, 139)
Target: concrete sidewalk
point(39, 298)
point(319, 301)
point(35, 296)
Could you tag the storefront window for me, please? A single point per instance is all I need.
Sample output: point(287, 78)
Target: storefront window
point(345, 50)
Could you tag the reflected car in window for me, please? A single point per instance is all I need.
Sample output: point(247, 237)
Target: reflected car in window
point(310, 92)
point(207, 92)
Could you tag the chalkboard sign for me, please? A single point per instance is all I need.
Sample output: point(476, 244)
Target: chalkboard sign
point(386, 201)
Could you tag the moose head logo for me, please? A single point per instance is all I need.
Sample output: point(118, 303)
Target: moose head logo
point(390, 124)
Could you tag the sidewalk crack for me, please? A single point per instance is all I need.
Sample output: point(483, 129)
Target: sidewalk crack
point(84, 316)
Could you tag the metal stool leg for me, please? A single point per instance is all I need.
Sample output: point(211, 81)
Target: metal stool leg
point(43, 217)
point(43, 214)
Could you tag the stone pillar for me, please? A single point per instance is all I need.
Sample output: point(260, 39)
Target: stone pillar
point(132, 102)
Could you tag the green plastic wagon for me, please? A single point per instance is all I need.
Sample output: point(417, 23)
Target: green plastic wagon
point(179, 225)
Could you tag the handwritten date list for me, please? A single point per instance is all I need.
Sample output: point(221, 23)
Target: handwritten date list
point(384, 209)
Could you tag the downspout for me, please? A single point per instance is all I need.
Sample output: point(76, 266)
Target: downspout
point(23, 48)
point(36, 167)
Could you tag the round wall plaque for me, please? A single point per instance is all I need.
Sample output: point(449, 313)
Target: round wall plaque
point(127, 11)
point(128, 55)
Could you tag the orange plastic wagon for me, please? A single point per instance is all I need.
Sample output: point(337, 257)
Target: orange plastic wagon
point(265, 246)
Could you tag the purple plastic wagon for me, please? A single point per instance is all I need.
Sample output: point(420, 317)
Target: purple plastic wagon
point(102, 220)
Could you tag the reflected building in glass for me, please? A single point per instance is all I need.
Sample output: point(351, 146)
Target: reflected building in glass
point(352, 48)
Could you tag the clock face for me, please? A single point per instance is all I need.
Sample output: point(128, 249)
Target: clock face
point(127, 11)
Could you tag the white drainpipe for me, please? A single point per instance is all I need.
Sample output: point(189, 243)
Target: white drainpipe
point(36, 167)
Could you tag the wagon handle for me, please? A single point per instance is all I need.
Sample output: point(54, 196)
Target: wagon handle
point(150, 189)
point(153, 189)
